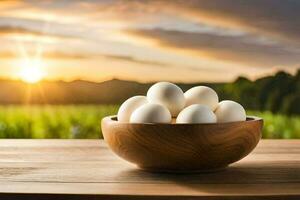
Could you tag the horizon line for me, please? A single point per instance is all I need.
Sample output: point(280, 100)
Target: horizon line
point(140, 82)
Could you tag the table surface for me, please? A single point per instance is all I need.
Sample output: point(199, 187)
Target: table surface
point(87, 169)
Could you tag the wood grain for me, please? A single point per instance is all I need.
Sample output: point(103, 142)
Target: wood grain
point(181, 148)
point(86, 169)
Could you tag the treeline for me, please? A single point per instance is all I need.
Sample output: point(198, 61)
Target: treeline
point(279, 93)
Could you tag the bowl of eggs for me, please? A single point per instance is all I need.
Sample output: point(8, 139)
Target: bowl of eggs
point(171, 131)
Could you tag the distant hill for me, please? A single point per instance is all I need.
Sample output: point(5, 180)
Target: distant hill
point(76, 92)
point(278, 93)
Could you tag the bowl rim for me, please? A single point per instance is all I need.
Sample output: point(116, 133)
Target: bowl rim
point(113, 119)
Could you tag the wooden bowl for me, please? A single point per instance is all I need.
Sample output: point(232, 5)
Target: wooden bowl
point(182, 147)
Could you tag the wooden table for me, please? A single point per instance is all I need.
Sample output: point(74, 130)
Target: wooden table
point(86, 169)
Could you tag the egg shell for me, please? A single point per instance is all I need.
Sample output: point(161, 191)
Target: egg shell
point(130, 105)
point(196, 114)
point(201, 95)
point(230, 111)
point(167, 94)
point(151, 113)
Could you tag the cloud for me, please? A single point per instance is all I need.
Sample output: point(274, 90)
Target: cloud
point(13, 30)
point(135, 60)
point(247, 49)
point(122, 58)
point(68, 55)
point(7, 55)
point(153, 63)
point(7, 4)
point(48, 55)
point(262, 32)
point(276, 17)
point(222, 33)
point(63, 55)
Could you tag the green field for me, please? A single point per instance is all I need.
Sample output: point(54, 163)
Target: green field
point(84, 122)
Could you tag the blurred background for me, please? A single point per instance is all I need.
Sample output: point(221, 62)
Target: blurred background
point(66, 64)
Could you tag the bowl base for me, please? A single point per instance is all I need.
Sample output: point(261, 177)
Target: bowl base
point(174, 171)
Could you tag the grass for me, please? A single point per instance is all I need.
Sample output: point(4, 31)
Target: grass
point(53, 121)
point(279, 126)
point(83, 121)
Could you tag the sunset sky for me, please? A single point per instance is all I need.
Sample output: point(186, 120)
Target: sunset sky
point(186, 41)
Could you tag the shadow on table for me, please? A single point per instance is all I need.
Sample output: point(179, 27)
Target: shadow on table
point(243, 176)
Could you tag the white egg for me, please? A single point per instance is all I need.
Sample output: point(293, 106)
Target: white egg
point(129, 106)
point(151, 113)
point(230, 111)
point(167, 94)
point(196, 114)
point(201, 95)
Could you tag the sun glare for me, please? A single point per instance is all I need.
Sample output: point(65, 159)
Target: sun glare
point(31, 71)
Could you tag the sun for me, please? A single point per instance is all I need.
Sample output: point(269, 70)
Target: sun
point(31, 71)
point(31, 74)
